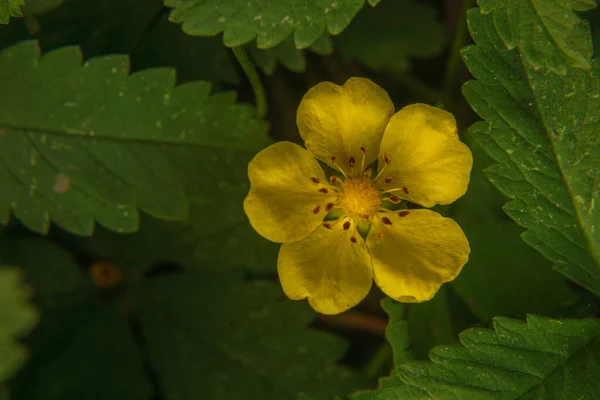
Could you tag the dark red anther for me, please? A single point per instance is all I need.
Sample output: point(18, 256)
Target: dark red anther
point(353, 239)
point(404, 189)
point(326, 225)
point(346, 225)
point(316, 209)
point(351, 162)
point(403, 213)
point(394, 199)
point(386, 221)
point(329, 206)
point(323, 190)
point(387, 180)
point(386, 159)
point(315, 180)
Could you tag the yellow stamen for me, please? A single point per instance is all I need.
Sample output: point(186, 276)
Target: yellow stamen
point(359, 197)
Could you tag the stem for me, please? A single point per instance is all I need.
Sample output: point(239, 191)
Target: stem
point(378, 361)
point(255, 82)
point(459, 40)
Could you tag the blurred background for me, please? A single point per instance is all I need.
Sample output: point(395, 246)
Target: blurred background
point(103, 333)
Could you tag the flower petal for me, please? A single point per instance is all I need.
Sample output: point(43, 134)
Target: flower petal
point(414, 252)
point(329, 268)
point(336, 121)
point(284, 203)
point(427, 162)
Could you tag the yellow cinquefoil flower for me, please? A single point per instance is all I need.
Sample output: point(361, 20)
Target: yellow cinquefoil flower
point(409, 253)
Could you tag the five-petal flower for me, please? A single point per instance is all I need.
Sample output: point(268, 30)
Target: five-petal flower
point(409, 253)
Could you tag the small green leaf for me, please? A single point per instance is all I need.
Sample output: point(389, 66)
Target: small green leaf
point(397, 330)
point(10, 8)
point(541, 359)
point(386, 37)
point(547, 33)
point(96, 144)
point(212, 335)
point(17, 317)
point(82, 348)
point(542, 128)
point(269, 22)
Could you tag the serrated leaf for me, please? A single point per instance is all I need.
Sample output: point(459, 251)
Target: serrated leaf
point(397, 330)
point(17, 317)
point(547, 33)
point(542, 359)
point(504, 276)
point(269, 22)
point(10, 8)
point(238, 340)
point(542, 128)
point(85, 149)
point(287, 55)
point(386, 37)
point(82, 347)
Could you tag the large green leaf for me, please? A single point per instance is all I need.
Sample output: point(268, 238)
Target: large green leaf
point(542, 128)
point(543, 359)
point(386, 37)
point(10, 8)
point(17, 317)
point(548, 33)
point(83, 347)
point(214, 336)
point(95, 143)
point(269, 22)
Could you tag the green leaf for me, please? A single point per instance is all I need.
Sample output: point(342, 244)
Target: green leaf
point(386, 37)
point(17, 317)
point(397, 330)
point(213, 335)
point(10, 8)
point(429, 324)
point(86, 149)
point(82, 347)
point(547, 33)
point(542, 128)
point(269, 22)
point(504, 276)
point(543, 359)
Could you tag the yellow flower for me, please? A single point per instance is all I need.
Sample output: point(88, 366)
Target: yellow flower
point(409, 253)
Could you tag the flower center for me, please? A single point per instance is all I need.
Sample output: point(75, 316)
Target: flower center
point(359, 197)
